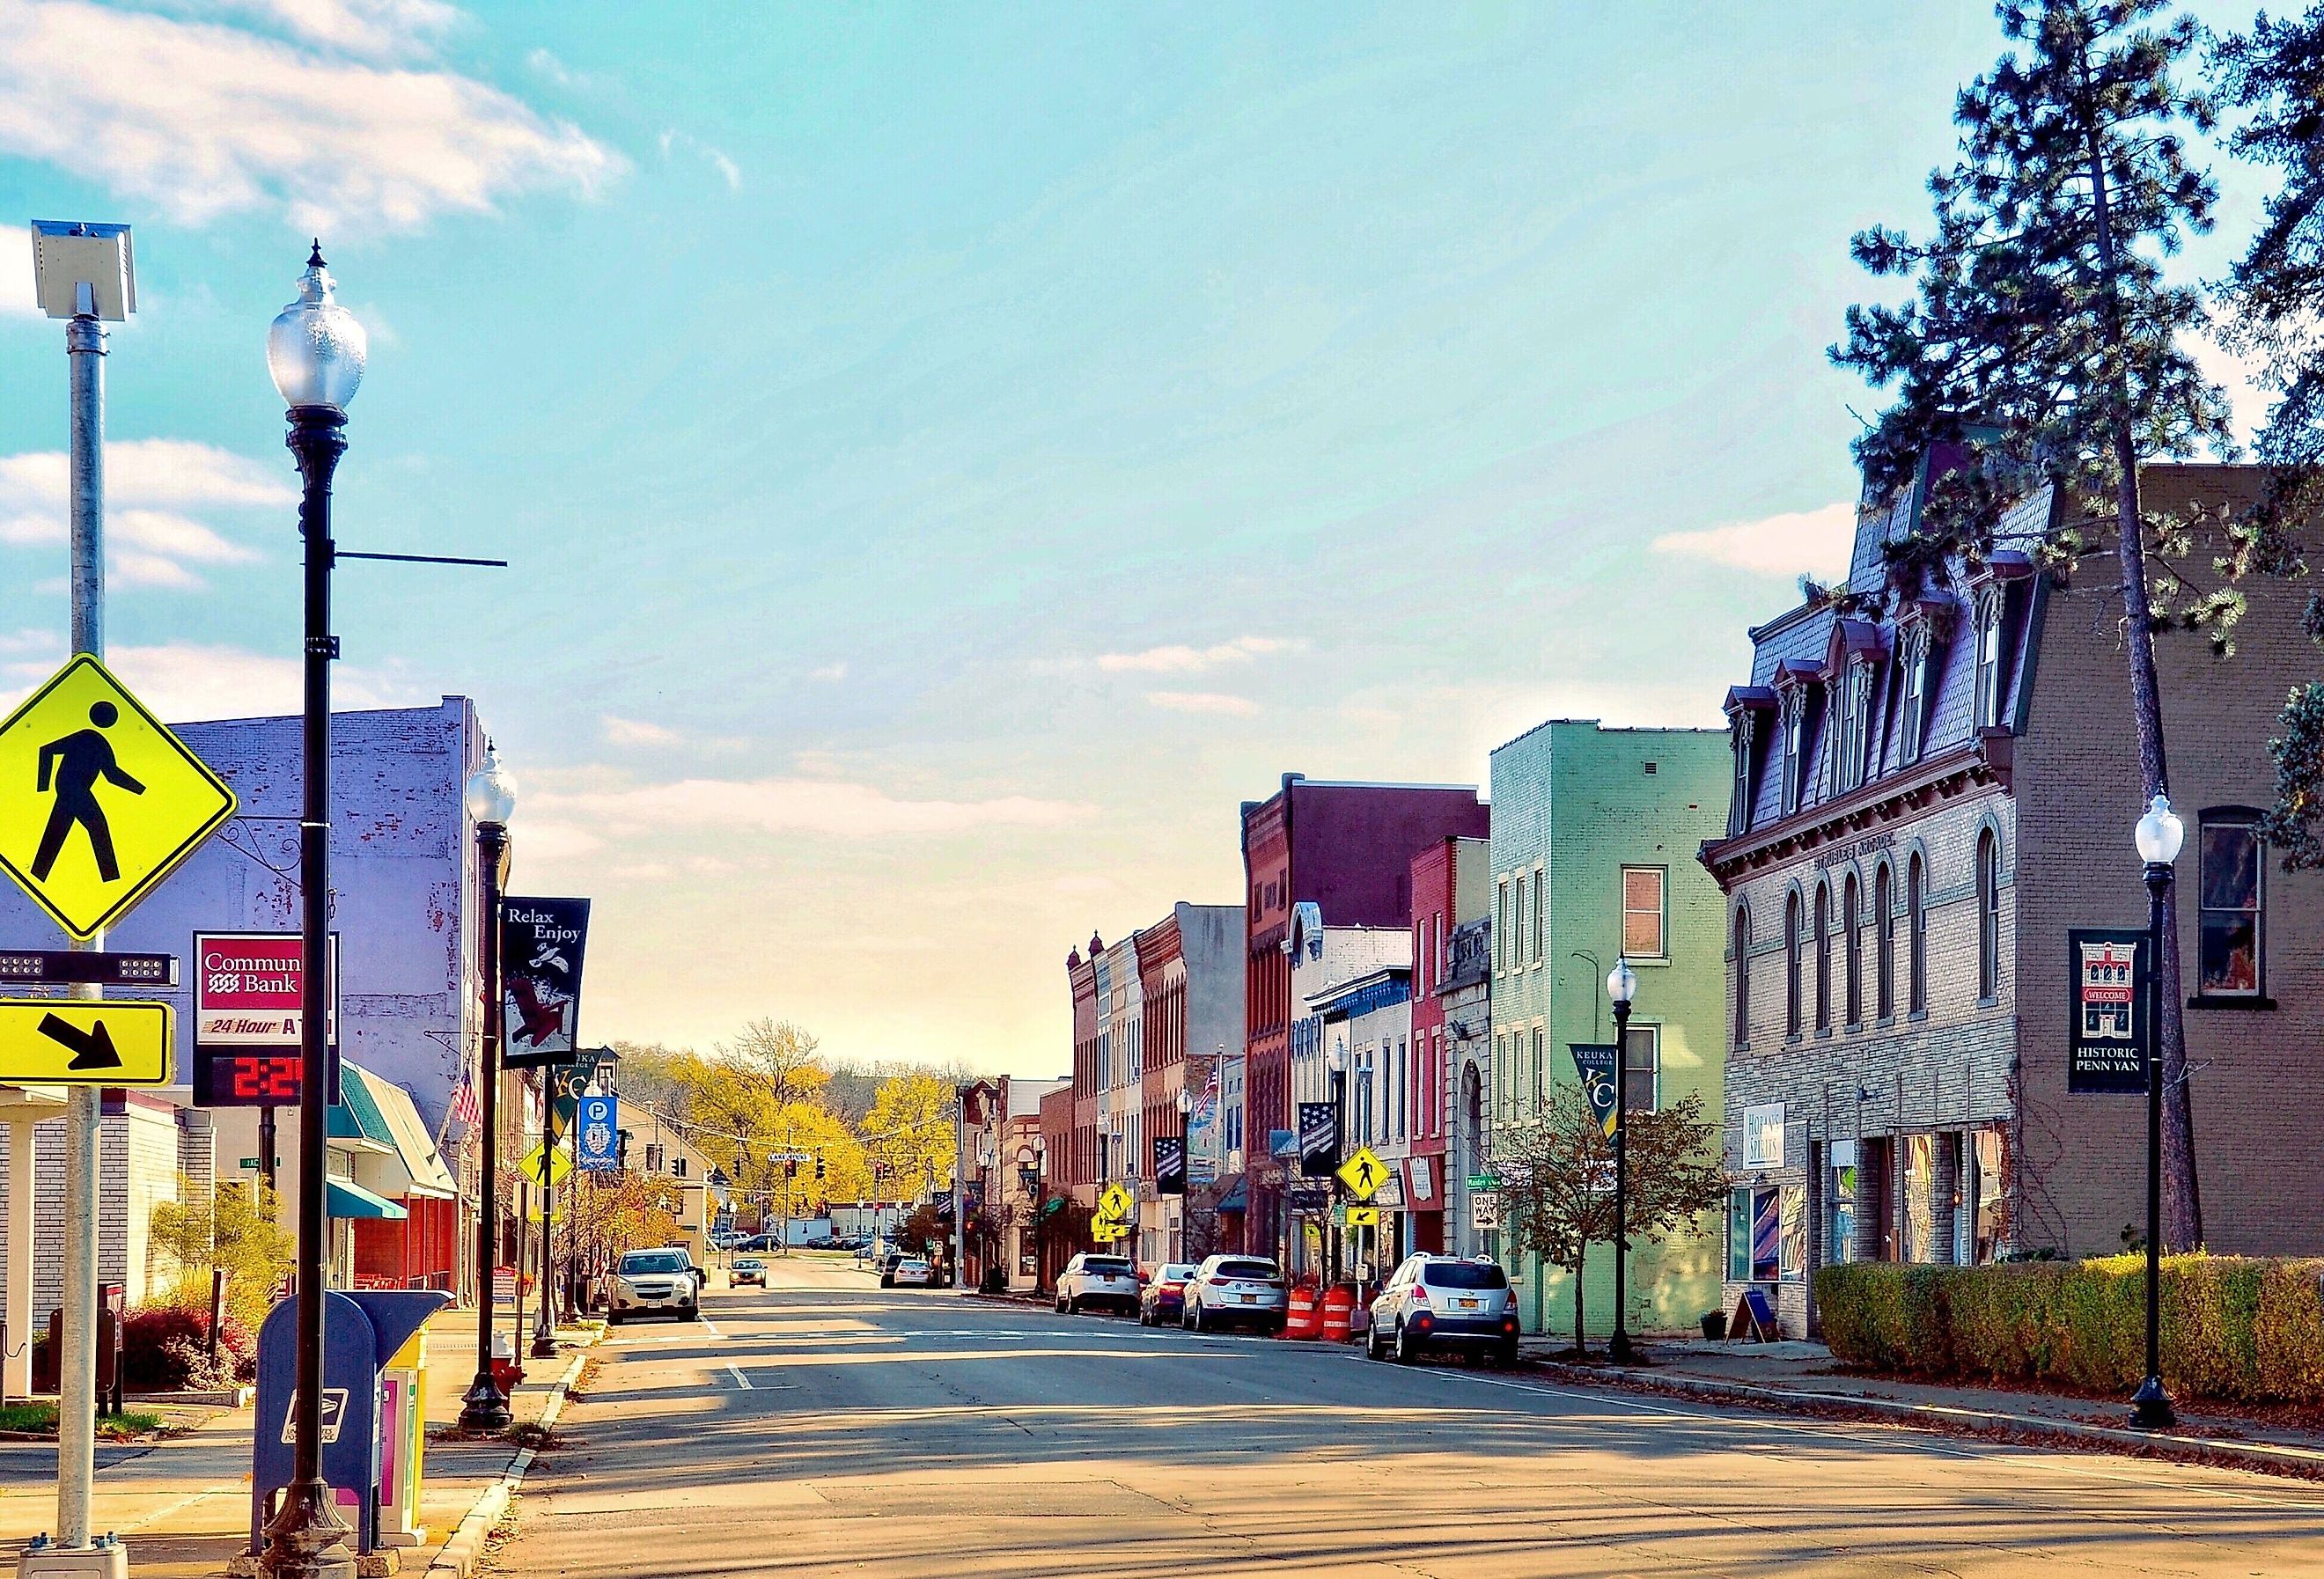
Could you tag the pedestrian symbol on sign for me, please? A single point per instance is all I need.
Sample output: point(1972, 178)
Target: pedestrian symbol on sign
point(1363, 1174)
point(69, 771)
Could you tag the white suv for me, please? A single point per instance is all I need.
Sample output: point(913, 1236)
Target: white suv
point(1098, 1279)
point(655, 1282)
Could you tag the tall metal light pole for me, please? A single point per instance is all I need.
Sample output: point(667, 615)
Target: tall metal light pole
point(544, 1325)
point(315, 350)
point(2159, 834)
point(1186, 1162)
point(1335, 1072)
point(83, 274)
point(491, 795)
point(1622, 987)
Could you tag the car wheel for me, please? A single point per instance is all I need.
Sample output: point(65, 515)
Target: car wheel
point(1505, 1356)
point(612, 1318)
point(1193, 1318)
point(1073, 1307)
point(1406, 1353)
point(1061, 1304)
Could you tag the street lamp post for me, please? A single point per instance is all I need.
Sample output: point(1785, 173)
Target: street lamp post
point(2158, 837)
point(544, 1323)
point(1185, 1167)
point(315, 350)
point(1622, 987)
point(1335, 1072)
point(491, 795)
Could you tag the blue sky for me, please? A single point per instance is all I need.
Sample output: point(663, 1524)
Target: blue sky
point(953, 455)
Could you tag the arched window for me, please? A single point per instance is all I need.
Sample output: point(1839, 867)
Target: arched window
point(1742, 975)
point(1884, 943)
point(1823, 956)
point(1791, 965)
point(1989, 916)
point(1852, 898)
point(1916, 923)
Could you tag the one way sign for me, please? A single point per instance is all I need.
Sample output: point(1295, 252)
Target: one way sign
point(70, 1042)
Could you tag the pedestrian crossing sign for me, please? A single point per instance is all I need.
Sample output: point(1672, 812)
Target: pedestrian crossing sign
point(544, 1165)
point(98, 800)
point(1363, 1174)
point(1116, 1202)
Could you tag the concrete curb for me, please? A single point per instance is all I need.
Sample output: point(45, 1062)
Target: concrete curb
point(456, 1559)
point(2264, 1458)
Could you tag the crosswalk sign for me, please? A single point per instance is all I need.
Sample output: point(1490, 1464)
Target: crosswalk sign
point(1116, 1203)
point(546, 1165)
point(98, 800)
point(1363, 1174)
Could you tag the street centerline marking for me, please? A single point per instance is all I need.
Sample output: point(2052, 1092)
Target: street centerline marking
point(741, 1380)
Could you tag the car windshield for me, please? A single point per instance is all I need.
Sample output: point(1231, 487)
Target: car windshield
point(1463, 1274)
point(747, 1264)
point(653, 1260)
point(1106, 1266)
point(917, 1266)
point(1262, 1270)
point(1175, 1273)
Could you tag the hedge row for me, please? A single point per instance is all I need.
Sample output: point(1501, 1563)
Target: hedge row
point(2232, 1328)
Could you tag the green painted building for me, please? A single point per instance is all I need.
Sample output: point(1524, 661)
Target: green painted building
point(1593, 848)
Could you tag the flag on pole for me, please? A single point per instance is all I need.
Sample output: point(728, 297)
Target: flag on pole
point(465, 1106)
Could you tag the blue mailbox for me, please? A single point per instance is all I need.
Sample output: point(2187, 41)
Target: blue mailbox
point(361, 1331)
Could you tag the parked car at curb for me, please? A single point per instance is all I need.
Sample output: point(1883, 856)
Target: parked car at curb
point(1163, 1297)
point(913, 1271)
point(1445, 1302)
point(1109, 1281)
point(654, 1282)
point(749, 1269)
point(1237, 1290)
point(887, 1265)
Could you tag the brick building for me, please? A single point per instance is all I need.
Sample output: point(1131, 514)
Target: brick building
point(1449, 889)
point(1933, 783)
point(1323, 961)
point(1348, 850)
point(1191, 969)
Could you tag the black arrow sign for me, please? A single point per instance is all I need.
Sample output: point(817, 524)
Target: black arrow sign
point(91, 1049)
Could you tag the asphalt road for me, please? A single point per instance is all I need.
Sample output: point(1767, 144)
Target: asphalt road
point(825, 1426)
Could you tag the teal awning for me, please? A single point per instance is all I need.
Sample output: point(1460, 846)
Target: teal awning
point(347, 1198)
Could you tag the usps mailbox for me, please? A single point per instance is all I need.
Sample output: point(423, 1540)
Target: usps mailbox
point(362, 1331)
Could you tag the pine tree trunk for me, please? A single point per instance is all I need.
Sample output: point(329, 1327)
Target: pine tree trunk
point(2183, 1212)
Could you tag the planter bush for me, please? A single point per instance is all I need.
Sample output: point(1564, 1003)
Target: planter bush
point(163, 1347)
point(2232, 1328)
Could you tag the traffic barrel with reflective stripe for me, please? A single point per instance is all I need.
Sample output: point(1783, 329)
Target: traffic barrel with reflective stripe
point(1300, 1317)
point(1339, 1313)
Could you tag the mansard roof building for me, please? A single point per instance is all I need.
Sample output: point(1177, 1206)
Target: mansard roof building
point(1935, 776)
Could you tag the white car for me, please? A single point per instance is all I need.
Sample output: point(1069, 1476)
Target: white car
point(914, 1270)
point(1098, 1279)
point(655, 1282)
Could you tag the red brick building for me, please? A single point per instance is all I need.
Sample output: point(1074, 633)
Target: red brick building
point(1450, 882)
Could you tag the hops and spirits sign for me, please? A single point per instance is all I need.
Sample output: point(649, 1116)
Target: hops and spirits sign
point(2108, 1036)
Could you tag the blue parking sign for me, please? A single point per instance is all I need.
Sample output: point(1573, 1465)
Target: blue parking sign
point(600, 1133)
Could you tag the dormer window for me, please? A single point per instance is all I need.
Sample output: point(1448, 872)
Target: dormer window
point(1989, 657)
point(1913, 723)
point(1739, 801)
point(1855, 721)
point(1795, 713)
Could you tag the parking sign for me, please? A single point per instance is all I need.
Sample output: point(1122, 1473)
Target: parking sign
point(601, 1134)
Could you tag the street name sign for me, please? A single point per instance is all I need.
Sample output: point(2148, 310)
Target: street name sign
point(72, 1041)
point(98, 800)
point(546, 1165)
point(1363, 1174)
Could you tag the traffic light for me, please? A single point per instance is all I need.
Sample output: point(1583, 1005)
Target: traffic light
point(818, 1169)
point(790, 1168)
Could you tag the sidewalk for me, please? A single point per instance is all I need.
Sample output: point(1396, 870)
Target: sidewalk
point(1805, 1376)
point(182, 1506)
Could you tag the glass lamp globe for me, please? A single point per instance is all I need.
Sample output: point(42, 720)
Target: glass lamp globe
point(491, 791)
point(1186, 1102)
point(316, 348)
point(2159, 833)
point(1621, 983)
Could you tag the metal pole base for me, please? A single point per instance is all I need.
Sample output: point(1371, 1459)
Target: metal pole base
point(544, 1342)
point(105, 1558)
point(2150, 1406)
point(481, 1406)
point(307, 1539)
point(1619, 1350)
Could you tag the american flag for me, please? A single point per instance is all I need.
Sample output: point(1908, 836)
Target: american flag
point(464, 1102)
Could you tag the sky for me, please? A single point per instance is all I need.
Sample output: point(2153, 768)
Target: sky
point(952, 456)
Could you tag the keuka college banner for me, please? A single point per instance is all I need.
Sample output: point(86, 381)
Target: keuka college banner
point(2108, 1036)
point(541, 945)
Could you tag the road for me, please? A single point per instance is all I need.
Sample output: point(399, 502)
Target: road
point(825, 1426)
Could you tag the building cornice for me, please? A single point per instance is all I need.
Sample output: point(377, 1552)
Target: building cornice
point(1958, 771)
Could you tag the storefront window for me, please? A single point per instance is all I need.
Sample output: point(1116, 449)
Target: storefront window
point(1992, 1213)
point(1841, 1249)
point(1756, 1235)
point(1919, 1197)
point(1792, 1251)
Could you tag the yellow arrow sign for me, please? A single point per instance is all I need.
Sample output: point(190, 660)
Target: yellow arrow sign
point(1364, 1217)
point(70, 1042)
point(545, 1165)
point(98, 800)
point(1363, 1174)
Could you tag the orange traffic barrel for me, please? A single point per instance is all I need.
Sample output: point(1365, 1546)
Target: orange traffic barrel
point(1339, 1313)
point(1299, 1320)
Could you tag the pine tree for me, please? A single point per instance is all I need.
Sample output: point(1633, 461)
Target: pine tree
point(2044, 339)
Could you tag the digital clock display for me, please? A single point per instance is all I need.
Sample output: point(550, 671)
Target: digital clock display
point(246, 1080)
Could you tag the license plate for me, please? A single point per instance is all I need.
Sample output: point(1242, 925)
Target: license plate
point(1468, 1304)
point(1248, 1299)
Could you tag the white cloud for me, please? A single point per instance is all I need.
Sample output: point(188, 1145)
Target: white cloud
point(200, 120)
point(1816, 541)
point(1193, 660)
point(150, 484)
point(184, 681)
point(829, 672)
point(728, 171)
point(630, 731)
point(372, 29)
point(1211, 701)
point(16, 298)
point(729, 808)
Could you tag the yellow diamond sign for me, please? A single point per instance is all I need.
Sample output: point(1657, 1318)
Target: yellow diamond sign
point(546, 1165)
point(1363, 1174)
point(1115, 1202)
point(98, 800)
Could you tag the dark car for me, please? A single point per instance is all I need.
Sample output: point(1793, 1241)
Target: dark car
point(887, 1265)
point(1163, 1297)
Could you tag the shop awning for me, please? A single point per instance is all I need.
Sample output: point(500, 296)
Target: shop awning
point(412, 1166)
point(347, 1198)
point(1237, 1198)
point(1052, 1206)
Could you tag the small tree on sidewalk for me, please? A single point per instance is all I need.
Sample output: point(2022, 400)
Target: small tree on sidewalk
point(230, 1226)
point(1557, 1180)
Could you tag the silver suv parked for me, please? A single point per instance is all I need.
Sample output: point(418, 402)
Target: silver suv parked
point(1445, 1302)
point(1109, 1281)
point(1237, 1290)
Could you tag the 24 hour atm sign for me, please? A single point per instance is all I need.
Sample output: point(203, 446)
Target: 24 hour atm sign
point(248, 988)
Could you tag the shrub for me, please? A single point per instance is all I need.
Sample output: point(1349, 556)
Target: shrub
point(2231, 1327)
point(164, 1347)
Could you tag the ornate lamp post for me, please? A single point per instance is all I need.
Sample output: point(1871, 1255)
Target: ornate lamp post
point(1187, 1163)
point(315, 350)
point(491, 795)
point(2158, 836)
point(1621, 988)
